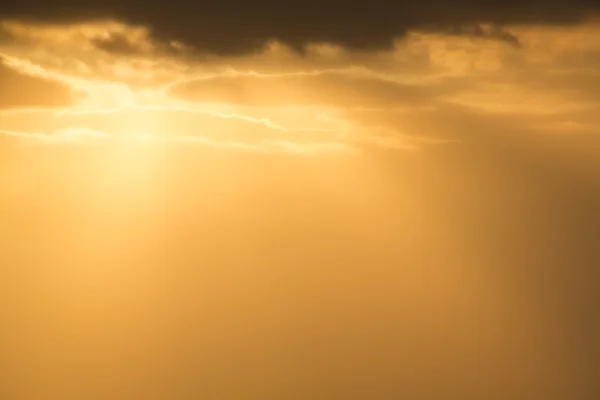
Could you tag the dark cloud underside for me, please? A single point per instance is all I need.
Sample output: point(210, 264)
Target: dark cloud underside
point(240, 26)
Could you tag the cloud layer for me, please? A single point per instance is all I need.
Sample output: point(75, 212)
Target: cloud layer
point(238, 27)
point(428, 88)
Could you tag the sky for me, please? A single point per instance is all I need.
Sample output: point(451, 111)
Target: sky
point(300, 200)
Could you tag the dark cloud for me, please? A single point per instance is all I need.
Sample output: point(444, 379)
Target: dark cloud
point(122, 44)
point(494, 32)
point(116, 43)
point(20, 90)
point(240, 26)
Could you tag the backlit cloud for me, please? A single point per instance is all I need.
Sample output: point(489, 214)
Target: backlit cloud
point(428, 88)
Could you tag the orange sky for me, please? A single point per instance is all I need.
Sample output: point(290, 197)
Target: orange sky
point(419, 222)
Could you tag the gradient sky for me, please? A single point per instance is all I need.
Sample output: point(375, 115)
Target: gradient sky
point(303, 200)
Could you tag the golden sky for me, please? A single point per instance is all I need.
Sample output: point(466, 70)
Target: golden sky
point(420, 221)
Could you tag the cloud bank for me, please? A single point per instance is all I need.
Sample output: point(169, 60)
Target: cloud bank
point(427, 89)
point(239, 27)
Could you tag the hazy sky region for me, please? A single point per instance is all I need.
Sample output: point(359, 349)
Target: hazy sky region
point(310, 200)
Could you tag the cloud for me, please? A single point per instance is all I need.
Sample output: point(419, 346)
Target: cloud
point(57, 137)
point(493, 32)
point(22, 90)
point(171, 122)
point(96, 50)
point(230, 28)
point(429, 88)
point(325, 89)
point(173, 126)
point(121, 44)
point(91, 137)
